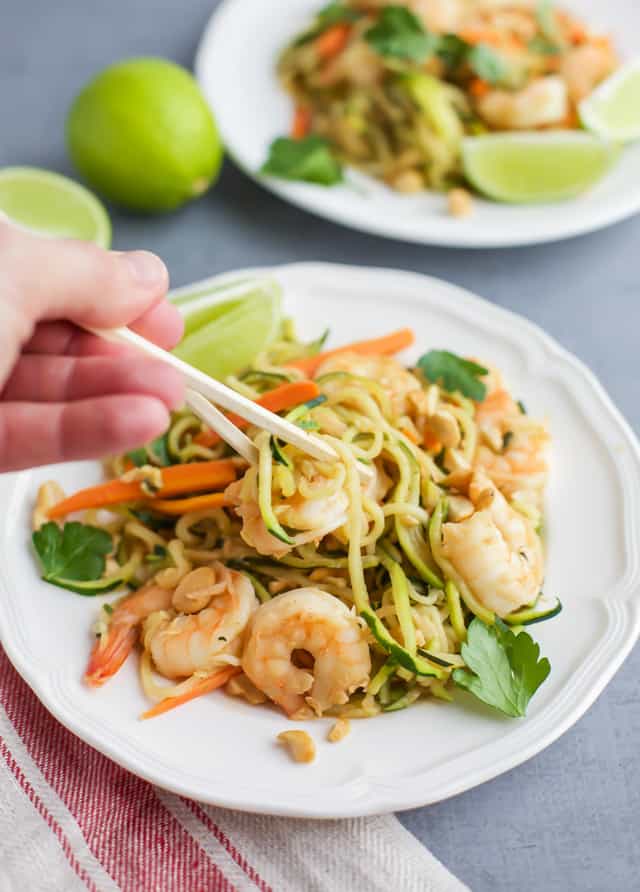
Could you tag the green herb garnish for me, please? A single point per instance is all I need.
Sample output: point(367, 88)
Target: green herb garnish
point(452, 50)
point(454, 373)
point(309, 159)
point(399, 33)
point(504, 669)
point(75, 554)
point(332, 14)
point(487, 64)
point(158, 448)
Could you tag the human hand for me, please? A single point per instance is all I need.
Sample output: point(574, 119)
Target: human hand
point(66, 394)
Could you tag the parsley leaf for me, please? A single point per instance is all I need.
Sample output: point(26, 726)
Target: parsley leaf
point(139, 456)
point(452, 50)
point(504, 669)
point(454, 373)
point(487, 64)
point(159, 449)
point(309, 159)
point(399, 33)
point(74, 554)
point(332, 14)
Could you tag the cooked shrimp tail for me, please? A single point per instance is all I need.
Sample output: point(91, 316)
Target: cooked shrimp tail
point(112, 649)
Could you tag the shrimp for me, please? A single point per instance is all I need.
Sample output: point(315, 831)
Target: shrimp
point(316, 506)
point(387, 371)
point(513, 450)
point(542, 103)
point(193, 642)
point(440, 16)
point(583, 68)
point(328, 639)
point(111, 650)
point(495, 551)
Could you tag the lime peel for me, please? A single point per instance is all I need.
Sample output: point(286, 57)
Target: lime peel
point(226, 336)
point(535, 167)
point(613, 109)
point(53, 205)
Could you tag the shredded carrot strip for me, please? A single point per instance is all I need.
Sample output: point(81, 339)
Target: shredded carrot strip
point(194, 477)
point(391, 343)
point(284, 397)
point(333, 40)
point(301, 122)
point(194, 503)
point(478, 87)
point(203, 687)
point(487, 35)
point(430, 441)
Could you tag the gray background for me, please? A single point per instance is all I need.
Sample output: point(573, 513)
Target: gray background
point(570, 818)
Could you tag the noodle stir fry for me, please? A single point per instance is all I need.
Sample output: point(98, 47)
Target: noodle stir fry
point(392, 89)
point(313, 585)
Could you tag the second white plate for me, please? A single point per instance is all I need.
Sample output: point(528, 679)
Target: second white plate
point(235, 66)
point(222, 751)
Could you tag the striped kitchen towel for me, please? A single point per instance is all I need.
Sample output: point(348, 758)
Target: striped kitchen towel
point(70, 819)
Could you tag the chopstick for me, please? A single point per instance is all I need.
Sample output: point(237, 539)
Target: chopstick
point(218, 422)
point(226, 397)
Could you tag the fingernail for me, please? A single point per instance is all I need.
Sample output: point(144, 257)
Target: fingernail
point(147, 269)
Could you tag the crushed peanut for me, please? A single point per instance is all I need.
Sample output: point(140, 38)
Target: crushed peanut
point(49, 494)
point(460, 202)
point(277, 585)
point(241, 686)
point(300, 745)
point(149, 478)
point(445, 427)
point(195, 590)
point(408, 181)
point(339, 731)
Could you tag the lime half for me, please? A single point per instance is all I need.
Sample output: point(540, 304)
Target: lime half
point(226, 336)
point(53, 205)
point(613, 110)
point(535, 167)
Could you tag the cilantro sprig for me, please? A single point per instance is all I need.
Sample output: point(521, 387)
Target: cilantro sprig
point(454, 373)
point(400, 34)
point(503, 670)
point(73, 557)
point(332, 14)
point(159, 448)
point(309, 159)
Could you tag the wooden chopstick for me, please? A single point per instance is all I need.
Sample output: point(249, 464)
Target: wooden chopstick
point(224, 396)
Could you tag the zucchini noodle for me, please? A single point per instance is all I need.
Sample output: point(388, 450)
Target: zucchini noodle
point(375, 531)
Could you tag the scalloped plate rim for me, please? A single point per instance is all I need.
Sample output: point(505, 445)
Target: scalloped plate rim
point(374, 796)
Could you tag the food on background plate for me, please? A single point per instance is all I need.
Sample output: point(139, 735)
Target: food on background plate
point(308, 584)
point(142, 135)
point(396, 90)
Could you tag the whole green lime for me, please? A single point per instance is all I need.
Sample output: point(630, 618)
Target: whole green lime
point(142, 134)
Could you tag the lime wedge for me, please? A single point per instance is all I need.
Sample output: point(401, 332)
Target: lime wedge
point(226, 336)
point(613, 110)
point(531, 167)
point(53, 205)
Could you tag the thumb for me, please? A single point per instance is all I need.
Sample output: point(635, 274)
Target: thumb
point(47, 278)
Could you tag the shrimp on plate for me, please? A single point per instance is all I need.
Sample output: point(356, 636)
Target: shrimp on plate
point(216, 604)
point(512, 449)
point(307, 652)
point(495, 552)
point(185, 628)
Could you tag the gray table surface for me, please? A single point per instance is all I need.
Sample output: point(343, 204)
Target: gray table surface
point(569, 819)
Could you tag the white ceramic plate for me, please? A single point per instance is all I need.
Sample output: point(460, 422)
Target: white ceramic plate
point(235, 67)
point(223, 751)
